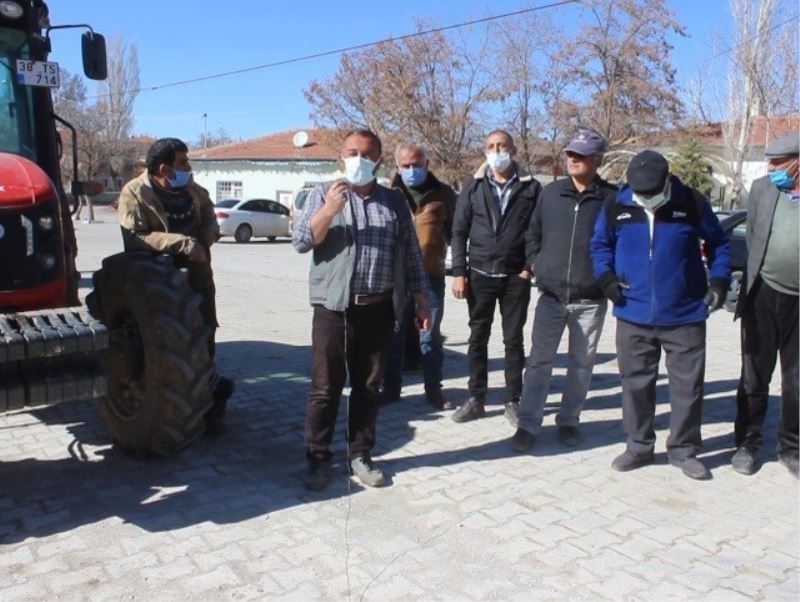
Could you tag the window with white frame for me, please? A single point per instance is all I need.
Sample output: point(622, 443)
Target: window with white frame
point(229, 190)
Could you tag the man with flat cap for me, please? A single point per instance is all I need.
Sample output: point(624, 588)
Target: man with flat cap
point(768, 307)
point(557, 247)
point(647, 260)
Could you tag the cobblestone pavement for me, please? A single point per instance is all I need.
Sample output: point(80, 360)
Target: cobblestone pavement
point(463, 517)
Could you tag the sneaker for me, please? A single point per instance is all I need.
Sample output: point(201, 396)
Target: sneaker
point(744, 460)
point(522, 440)
point(471, 410)
point(440, 402)
point(569, 435)
point(628, 460)
point(512, 413)
point(790, 461)
point(366, 471)
point(692, 468)
point(318, 475)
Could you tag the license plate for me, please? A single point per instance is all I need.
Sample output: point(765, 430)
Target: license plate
point(37, 73)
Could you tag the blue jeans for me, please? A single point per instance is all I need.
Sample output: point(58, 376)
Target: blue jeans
point(430, 344)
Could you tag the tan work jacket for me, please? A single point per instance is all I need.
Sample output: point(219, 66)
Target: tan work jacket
point(142, 215)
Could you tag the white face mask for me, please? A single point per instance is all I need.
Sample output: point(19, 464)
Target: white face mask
point(359, 171)
point(653, 202)
point(498, 161)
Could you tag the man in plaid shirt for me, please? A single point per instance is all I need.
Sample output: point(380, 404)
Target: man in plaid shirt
point(365, 254)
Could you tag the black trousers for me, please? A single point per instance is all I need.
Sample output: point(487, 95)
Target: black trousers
point(638, 353)
point(513, 293)
point(769, 328)
point(356, 342)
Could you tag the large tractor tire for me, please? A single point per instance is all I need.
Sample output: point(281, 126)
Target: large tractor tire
point(158, 362)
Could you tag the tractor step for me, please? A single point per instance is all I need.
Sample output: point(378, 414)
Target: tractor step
point(50, 356)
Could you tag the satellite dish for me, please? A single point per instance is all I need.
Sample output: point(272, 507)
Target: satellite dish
point(300, 139)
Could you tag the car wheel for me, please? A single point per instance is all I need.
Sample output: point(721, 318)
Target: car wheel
point(243, 233)
point(272, 238)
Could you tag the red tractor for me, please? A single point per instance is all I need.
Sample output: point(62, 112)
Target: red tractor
point(141, 348)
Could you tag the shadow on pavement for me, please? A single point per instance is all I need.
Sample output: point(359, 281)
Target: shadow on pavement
point(253, 471)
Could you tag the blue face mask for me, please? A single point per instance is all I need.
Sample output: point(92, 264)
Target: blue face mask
point(414, 176)
point(180, 179)
point(781, 179)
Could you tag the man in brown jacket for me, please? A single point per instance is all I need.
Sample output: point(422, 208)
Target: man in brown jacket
point(164, 211)
point(432, 203)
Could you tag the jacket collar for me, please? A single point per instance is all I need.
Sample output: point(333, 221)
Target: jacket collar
point(523, 175)
point(593, 187)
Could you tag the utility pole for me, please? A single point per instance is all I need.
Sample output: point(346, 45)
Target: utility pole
point(205, 131)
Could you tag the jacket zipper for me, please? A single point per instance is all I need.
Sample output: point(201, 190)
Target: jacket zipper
point(571, 244)
point(652, 224)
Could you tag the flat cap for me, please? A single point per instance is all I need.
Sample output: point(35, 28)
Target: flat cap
point(647, 172)
point(785, 146)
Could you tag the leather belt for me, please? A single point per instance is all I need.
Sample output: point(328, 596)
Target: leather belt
point(371, 298)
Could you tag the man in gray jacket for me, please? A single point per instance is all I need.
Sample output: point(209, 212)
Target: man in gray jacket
point(768, 307)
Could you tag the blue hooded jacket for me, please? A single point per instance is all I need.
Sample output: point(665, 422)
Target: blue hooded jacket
point(666, 275)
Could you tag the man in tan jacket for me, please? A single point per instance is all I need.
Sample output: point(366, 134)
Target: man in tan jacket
point(432, 204)
point(164, 211)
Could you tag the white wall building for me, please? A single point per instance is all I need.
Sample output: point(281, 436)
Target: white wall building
point(269, 167)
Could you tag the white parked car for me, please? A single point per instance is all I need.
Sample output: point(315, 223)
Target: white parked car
point(245, 219)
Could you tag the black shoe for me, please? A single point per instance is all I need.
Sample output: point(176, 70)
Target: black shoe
point(389, 396)
point(471, 410)
point(223, 389)
point(216, 427)
point(744, 460)
point(790, 461)
point(692, 468)
point(440, 402)
point(215, 417)
point(318, 475)
point(522, 441)
point(569, 435)
point(627, 460)
point(367, 472)
point(512, 413)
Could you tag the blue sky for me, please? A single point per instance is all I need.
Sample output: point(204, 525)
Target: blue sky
point(181, 39)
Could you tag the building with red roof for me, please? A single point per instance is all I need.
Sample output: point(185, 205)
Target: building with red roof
point(272, 167)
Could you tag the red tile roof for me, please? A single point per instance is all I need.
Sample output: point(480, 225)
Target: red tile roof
point(278, 146)
point(763, 129)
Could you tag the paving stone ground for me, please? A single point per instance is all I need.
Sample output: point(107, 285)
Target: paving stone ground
point(462, 518)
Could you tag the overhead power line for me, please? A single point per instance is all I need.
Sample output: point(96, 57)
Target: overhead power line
point(325, 53)
point(775, 27)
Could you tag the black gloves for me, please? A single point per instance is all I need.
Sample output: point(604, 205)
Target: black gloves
point(611, 285)
point(717, 292)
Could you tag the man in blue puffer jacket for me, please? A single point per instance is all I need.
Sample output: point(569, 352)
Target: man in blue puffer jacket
point(647, 260)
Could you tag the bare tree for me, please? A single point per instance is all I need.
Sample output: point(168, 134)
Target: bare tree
point(69, 102)
point(624, 80)
point(762, 75)
point(532, 97)
point(431, 89)
point(206, 140)
point(114, 106)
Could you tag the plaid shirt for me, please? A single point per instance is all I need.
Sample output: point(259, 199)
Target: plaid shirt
point(376, 226)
